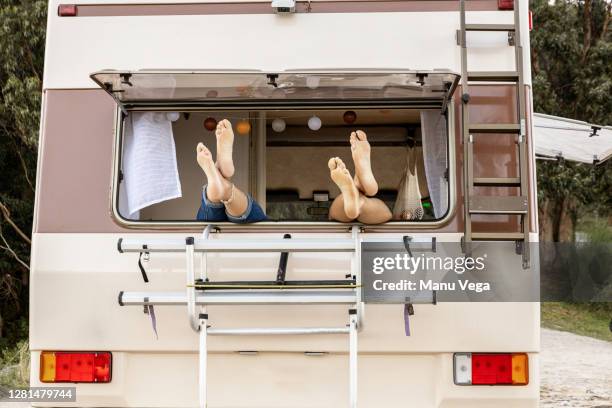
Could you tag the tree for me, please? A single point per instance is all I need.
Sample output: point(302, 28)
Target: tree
point(22, 39)
point(572, 77)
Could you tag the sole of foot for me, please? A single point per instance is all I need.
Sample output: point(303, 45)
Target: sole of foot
point(225, 145)
point(360, 150)
point(217, 188)
point(342, 177)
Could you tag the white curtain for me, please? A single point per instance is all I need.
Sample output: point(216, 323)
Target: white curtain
point(150, 172)
point(434, 138)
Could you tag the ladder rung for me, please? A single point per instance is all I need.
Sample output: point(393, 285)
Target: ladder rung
point(489, 27)
point(498, 236)
point(497, 181)
point(495, 128)
point(498, 205)
point(493, 76)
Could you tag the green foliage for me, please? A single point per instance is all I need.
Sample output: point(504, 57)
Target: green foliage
point(22, 40)
point(586, 319)
point(572, 77)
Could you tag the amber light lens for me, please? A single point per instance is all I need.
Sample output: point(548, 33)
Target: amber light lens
point(75, 367)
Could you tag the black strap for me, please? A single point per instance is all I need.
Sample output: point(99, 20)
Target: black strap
point(142, 269)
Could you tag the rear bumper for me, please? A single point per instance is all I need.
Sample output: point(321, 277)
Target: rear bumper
point(291, 379)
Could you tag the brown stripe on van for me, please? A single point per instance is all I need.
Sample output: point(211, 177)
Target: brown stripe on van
point(337, 6)
point(73, 194)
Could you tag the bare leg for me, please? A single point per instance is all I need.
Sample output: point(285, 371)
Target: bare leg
point(219, 188)
point(336, 210)
point(364, 178)
point(225, 144)
point(373, 211)
point(350, 195)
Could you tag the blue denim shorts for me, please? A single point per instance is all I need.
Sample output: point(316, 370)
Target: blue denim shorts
point(216, 212)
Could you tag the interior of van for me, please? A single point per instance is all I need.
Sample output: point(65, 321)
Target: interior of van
point(282, 162)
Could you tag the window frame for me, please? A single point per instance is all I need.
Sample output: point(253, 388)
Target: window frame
point(270, 226)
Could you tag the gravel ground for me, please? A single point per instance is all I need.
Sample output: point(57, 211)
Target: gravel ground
point(576, 371)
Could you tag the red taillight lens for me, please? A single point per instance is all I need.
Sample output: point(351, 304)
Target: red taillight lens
point(505, 4)
point(76, 367)
point(491, 369)
point(67, 10)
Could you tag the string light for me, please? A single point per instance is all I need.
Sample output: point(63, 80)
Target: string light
point(210, 124)
point(314, 123)
point(278, 125)
point(173, 116)
point(243, 127)
point(349, 117)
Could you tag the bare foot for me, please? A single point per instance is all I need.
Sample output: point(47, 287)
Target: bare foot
point(364, 178)
point(225, 143)
point(342, 177)
point(218, 188)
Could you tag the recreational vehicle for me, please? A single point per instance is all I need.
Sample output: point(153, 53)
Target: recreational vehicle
point(137, 302)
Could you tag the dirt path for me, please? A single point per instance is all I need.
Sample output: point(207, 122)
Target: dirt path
point(576, 371)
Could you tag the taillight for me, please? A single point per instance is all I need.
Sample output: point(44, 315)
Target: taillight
point(505, 4)
point(75, 367)
point(67, 10)
point(491, 369)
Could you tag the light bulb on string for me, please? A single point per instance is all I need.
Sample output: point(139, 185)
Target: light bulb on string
point(210, 124)
point(349, 117)
point(173, 116)
point(243, 127)
point(314, 123)
point(278, 125)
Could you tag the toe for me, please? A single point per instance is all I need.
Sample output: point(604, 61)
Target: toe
point(361, 135)
point(340, 163)
point(332, 163)
point(200, 147)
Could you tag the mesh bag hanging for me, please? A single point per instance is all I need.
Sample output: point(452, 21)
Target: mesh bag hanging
point(408, 203)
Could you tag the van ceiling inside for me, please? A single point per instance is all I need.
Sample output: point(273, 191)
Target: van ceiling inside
point(226, 87)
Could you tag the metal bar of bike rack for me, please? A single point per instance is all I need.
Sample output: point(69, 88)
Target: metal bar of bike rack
point(248, 297)
point(277, 331)
point(238, 245)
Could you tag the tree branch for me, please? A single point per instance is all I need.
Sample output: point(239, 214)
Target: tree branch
point(10, 250)
point(586, 26)
point(606, 23)
point(7, 216)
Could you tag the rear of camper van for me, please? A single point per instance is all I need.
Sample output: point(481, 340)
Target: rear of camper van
point(137, 304)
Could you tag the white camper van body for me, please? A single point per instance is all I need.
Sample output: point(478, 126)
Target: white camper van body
point(77, 272)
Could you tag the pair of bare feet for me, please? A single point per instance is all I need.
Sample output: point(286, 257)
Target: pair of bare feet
point(220, 171)
point(355, 202)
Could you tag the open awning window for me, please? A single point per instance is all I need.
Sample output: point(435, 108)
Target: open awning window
point(150, 86)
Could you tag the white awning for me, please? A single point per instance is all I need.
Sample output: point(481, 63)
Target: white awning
point(571, 139)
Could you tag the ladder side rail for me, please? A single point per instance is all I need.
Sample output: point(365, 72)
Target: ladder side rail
point(467, 148)
point(190, 295)
point(522, 142)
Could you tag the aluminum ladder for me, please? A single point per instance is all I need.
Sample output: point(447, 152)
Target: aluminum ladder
point(200, 292)
point(502, 205)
